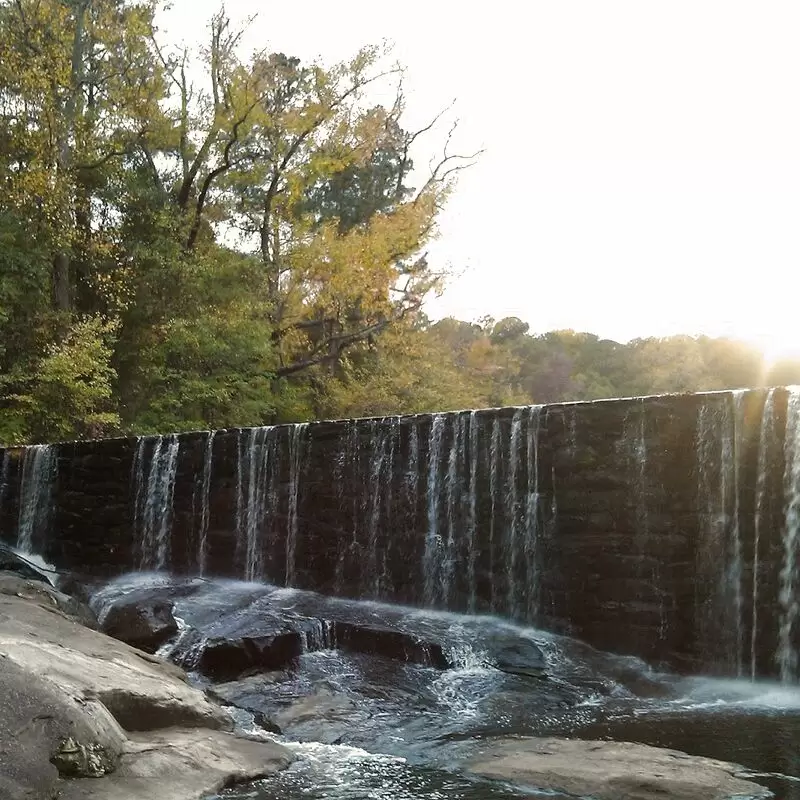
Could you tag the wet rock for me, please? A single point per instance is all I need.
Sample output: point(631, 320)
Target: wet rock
point(517, 656)
point(394, 644)
point(325, 716)
point(11, 561)
point(611, 770)
point(224, 659)
point(143, 623)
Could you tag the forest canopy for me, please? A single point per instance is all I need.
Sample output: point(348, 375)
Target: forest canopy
point(194, 239)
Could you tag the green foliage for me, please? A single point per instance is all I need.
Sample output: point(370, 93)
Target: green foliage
point(243, 247)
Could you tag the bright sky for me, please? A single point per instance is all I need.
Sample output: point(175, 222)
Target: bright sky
point(642, 165)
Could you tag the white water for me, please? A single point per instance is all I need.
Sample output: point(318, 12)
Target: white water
point(472, 528)
point(787, 655)
point(512, 504)
point(766, 440)
point(35, 495)
point(297, 440)
point(154, 492)
point(532, 550)
point(256, 495)
point(433, 540)
point(205, 498)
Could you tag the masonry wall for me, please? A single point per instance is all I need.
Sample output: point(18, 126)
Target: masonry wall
point(651, 526)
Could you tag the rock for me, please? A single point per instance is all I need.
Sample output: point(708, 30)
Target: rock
point(398, 645)
point(517, 656)
point(11, 561)
point(324, 716)
point(181, 765)
point(611, 770)
point(225, 659)
point(144, 624)
point(44, 594)
point(40, 724)
point(141, 691)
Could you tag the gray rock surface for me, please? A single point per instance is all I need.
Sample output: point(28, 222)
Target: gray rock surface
point(611, 770)
point(36, 718)
point(181, 765)
point(69, 699)
point(141, 691)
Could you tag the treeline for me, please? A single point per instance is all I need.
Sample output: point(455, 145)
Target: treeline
point(194, 239)
point(452, 364)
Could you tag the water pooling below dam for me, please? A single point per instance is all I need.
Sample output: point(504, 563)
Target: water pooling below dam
point(365, 725)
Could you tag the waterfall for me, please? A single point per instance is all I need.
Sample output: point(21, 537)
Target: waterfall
point(347, 470)
point(531, 549)
point(378, 484)
point(472, 529)
point(4, 469)
point(205, 501)
point(297, 440)
point(454, 487)
point(735, 571)
point(766, 441)
point(39, 464)
point(494, 485)
point(153, 498)
point(719, 425)
point(786, 655)
point(256, 495)
point(512, 504)
point(433, 542)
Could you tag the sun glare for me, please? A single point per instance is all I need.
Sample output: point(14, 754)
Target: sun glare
point(778, 345)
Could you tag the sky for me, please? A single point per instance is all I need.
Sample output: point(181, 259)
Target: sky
point(641, 173)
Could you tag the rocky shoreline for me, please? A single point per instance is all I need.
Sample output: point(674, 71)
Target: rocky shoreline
point(86, 716)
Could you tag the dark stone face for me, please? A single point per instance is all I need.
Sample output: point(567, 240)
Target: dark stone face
point(653, 526)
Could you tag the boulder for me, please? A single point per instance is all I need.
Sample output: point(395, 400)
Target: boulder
point(225, 659)
point(145, 624)
point(517, 656)
point(11, 561)
point(181, 765)
point(356, 637)
point(45, 731)
point(44, 594)
point(141, 691)
point(325, 715)
point(611, 770)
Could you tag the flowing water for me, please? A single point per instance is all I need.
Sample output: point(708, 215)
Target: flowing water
point(36, 496)
point(155, 467)
point(392, 729)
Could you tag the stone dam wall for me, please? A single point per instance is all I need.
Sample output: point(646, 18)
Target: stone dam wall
point(662, 527)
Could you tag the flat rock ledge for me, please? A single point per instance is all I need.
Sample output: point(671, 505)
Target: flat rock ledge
point(611, 770)
point(83, 716)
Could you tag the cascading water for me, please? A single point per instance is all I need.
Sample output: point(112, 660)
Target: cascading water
point(719, 590)
point(735, 571)
point(786, 657)
point(4, 473)
point(494, 488)
point(297, 440)
point(472, 529)
point(433, 540)
point(383, 433)
point(35, 496)
point(154, 491)
point(256, 496)
point(531, 548)
point(205, 503)
point(512, 504)
point(767, 441)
